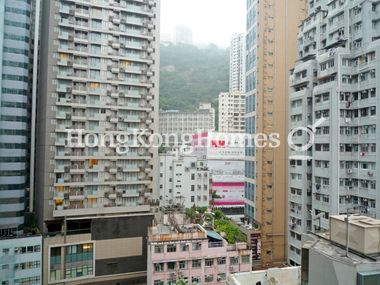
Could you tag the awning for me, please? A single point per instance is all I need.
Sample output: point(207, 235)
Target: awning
point(214, 235)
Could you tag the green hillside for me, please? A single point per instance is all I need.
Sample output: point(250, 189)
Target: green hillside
point(190, 75)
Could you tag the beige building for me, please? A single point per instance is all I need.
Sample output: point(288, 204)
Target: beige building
point(98, 75)
point(231, 112)
point(271, 52)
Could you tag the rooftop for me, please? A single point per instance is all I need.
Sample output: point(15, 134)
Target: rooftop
point(360, 221)
point(178, 232)
point(283, 276)
point(328, 248)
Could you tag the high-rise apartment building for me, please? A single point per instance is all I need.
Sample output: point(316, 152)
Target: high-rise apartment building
point(15, 46)
point(237, 63)
point(336, 80)
point(179, 123)
point(231, 112)
point(270, 53)
point(99, 76)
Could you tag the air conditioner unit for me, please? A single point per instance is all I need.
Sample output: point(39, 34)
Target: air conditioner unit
point(349, 171)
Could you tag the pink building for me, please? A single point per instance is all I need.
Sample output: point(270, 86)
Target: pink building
point(193, 254)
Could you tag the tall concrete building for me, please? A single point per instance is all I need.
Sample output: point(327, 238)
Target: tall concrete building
point(98, 75)
point(271, 51)
point(335, 79)
point(15, 46)
point(231, 112)
point(237, 63)
point(179, 123)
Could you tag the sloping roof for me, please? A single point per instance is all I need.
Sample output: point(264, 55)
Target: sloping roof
point(214, 235)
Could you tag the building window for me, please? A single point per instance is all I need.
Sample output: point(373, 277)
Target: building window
point(197, 263)
point(158, 249)
point(5, 251)
point(196, 280)
point(158, 282)
point(221, 260)
point(221, 277)
point(184, 247)
point(171, 248)
point(197, 246)
point(209, 278)
point(171, 266)
point(245, 259)
point(209, 262)
point(182, 264)
point(158, 267)
point(234, 260)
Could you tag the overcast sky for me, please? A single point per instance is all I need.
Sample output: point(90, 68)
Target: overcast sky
point(212, 21)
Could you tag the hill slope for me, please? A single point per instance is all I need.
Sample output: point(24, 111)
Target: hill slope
point(190, 75)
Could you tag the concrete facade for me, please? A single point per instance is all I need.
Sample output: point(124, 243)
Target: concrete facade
point(98, 74)
point(193, 254)
point(270, 53)
point(184, 180)
point(21, 260)
point(15, 47)
point(323, 262)
point(237, 63)
point(334, 80)
point(283, 276)
point(231, 112)
point(111, 250)
point(178, 123)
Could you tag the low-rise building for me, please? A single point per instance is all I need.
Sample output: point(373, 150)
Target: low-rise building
point(281, 276)
point(184, 181)
point(21, 260)
point(326, 261)
point(193, 254)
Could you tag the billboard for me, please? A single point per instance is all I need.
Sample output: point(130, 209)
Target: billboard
point(219, 145)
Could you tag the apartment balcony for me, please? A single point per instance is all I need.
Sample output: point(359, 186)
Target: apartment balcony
point(336, 25)
point(320, 205)
point(76, 197)
point(300, 94)
point(375, 15)
point(295, 242)
point(296, 198)
point(292, 255)
point(296, 213)
point(348, 172)
point(366, 193)
point(322, 172)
